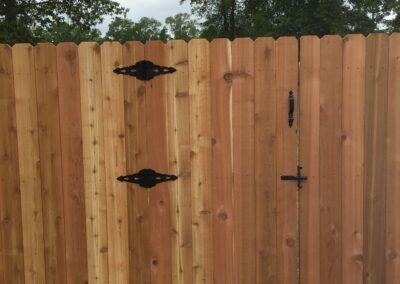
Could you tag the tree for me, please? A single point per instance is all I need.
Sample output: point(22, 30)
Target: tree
point(20, 18)
point(65, 32)
point(220, 17)
point(366, 16)
point(182, 26)
point(233, 18)
point(123, 29)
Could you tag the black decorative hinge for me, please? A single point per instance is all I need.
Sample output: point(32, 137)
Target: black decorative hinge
point(144, 70)
point(291, 108)
point(299, 178)
point(147, 178)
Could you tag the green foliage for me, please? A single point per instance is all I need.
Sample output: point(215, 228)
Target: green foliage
point(123, 29)
point(62, 32)
point(234, 18)
point(24, 20)
point(220, 17)
point(182, 26)
point(75, 20)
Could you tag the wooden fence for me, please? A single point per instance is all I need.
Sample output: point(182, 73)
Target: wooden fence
point(69, 126)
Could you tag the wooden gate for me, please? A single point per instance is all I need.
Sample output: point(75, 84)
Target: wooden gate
point(69, 126)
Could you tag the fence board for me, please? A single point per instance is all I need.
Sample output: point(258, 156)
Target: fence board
point(159, 201)
point(393, 164)
point(330, 140)
point(353, 158)
point(286, 80)
point(72, 162)
point(93, 161)
point(244, 261)
point(376, 106)
point(50, 162)
point(10, 191)
point(115, 164)
point(310, 71)
point(265, 159)
point(179, 161)
point(28, 150)
point(222, 175)
point(136, 153)
point(200, 140)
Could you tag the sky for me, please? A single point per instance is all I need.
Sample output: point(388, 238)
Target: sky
point(158, 9)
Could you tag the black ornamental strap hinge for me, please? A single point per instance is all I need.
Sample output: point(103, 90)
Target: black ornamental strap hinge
point(147, 178)
point(144, 70)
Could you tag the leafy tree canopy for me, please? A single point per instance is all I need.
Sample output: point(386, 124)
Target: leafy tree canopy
point(76, 20)
point(232, 18)
point(123, 29)
point(182, 26)
point(27, 20)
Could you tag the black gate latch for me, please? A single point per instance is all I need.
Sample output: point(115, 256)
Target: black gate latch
point(147, 178)
point(299, 178)
point(144, 70)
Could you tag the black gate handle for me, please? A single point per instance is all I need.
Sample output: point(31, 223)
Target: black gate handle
point(291, 108)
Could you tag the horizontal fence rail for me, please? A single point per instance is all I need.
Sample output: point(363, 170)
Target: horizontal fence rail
point(69, 126)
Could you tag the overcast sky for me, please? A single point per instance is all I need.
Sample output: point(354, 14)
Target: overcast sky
point(158, 9)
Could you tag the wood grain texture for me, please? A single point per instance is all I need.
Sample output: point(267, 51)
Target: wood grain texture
point(330, 139)
point(200, 141)
point(265, 158)
point(10, 191)
point(93, 161)
point(50, 162)
point(244, 261)
point(179, 161)
point(310, 68)
point(72, 162)
point(353, 99)
point(115, 163)
point(136, 155)
point(393, 164)
point(157, 158)
point(375, 151)
point(29, 169)
point(286, 80)
point(222, 159)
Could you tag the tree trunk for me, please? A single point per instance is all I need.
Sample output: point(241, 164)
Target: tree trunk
point(232, 20)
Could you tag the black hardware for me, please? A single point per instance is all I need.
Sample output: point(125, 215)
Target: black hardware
point(291, 108)
point(299, 178)
point(147, 178)
point(144, 70)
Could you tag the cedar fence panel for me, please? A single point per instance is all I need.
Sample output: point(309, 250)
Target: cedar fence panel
point(69, 126)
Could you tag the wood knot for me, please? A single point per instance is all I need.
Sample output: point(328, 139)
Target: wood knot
point(392, 254)
point(154, 262)
point(290, 242)
point(70, 55)
point(359, 257)
point(181, 94)
point(228, 77)
point(223, 216)
point(103, 250)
